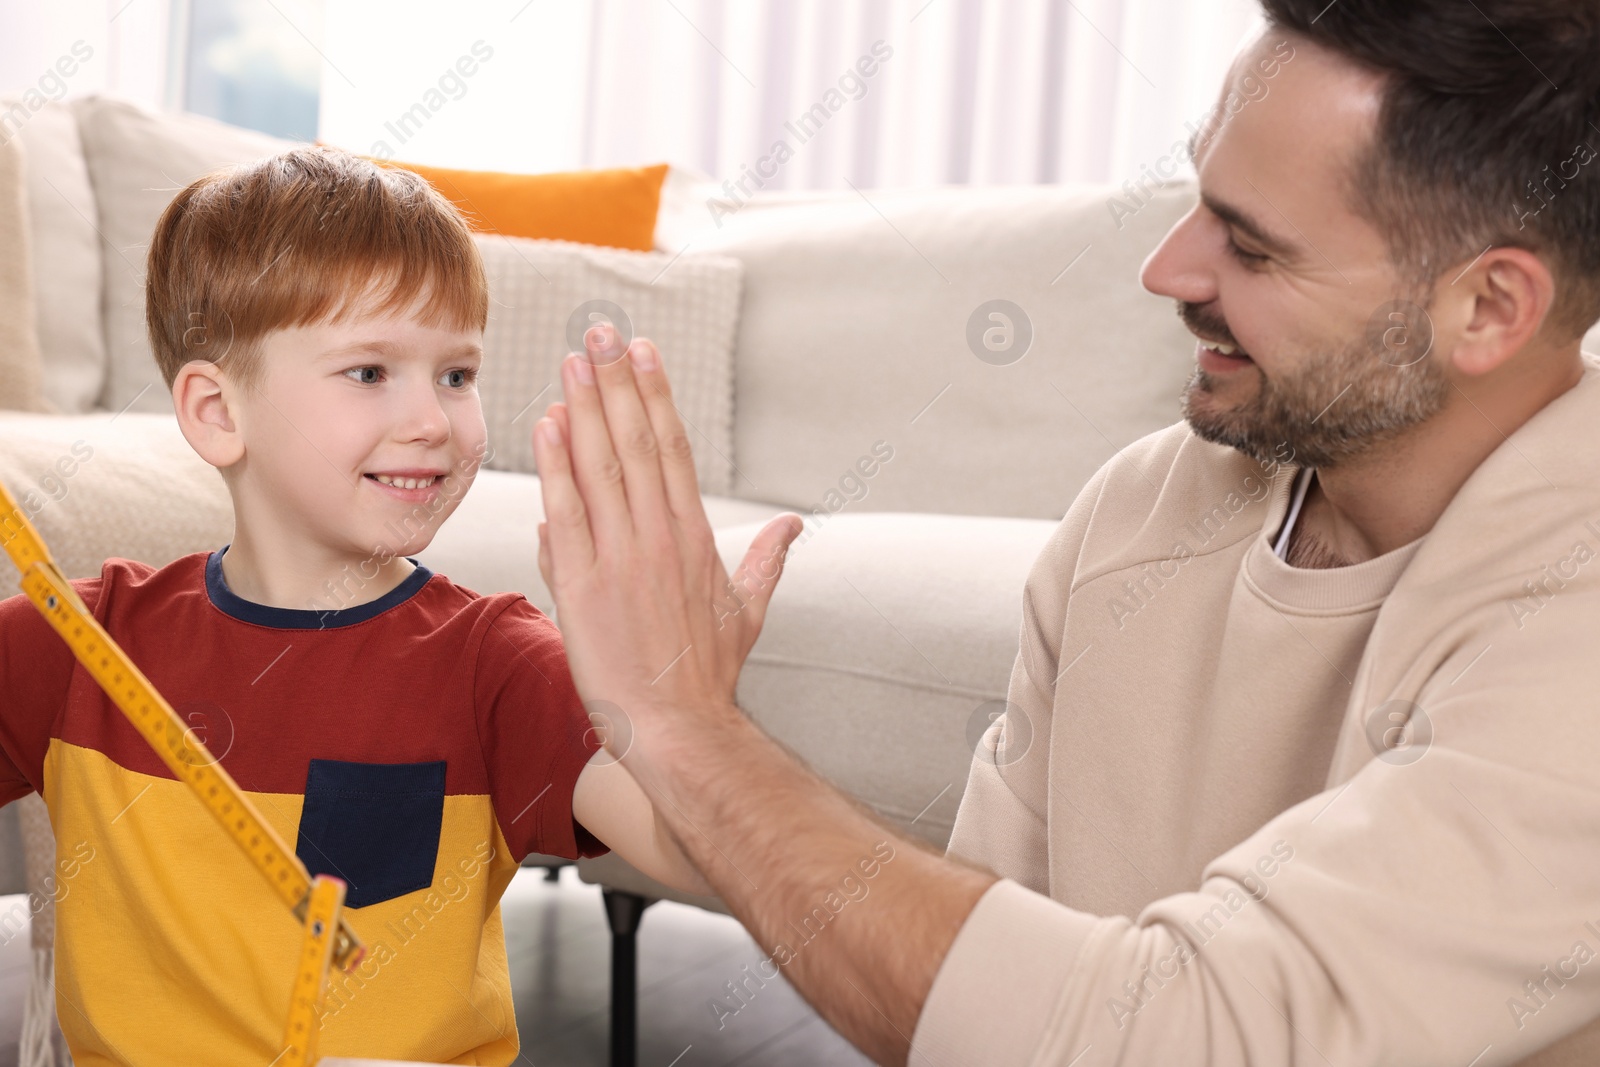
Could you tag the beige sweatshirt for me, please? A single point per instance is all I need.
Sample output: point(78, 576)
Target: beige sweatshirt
point(1246, 813)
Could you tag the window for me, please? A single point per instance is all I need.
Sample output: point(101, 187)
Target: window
point(252, 63)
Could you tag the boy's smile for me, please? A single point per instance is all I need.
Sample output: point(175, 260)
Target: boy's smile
point(409, 485)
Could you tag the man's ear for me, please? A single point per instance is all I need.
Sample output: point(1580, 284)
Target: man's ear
point(1505, 296)
point(202, 397)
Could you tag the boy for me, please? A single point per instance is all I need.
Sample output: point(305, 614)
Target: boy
point(319, 321)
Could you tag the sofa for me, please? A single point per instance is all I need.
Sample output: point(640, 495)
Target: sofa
point(929, 376)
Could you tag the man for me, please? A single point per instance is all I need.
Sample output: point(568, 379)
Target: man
point(1324, 789)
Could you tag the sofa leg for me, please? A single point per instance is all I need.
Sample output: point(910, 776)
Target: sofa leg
point(623, 911)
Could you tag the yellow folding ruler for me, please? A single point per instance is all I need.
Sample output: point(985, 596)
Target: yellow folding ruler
point(318, 904)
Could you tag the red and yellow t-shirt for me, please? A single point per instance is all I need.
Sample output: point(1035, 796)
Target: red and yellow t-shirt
point(417, 746)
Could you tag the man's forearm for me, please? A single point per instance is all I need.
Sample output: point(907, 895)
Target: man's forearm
point(685, 875)
point(789, 854)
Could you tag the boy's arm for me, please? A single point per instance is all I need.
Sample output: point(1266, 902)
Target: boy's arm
point(611, 806)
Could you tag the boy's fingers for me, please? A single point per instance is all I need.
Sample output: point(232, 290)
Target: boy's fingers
point(565, 540)
point(677, 457)
point(596, 470)
point(633, 438)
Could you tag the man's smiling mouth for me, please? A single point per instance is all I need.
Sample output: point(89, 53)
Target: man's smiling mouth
point(1221, 348)
point(1220, 356)
point(1226, 349)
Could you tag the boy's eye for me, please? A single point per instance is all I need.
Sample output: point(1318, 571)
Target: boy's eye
point(459, 378)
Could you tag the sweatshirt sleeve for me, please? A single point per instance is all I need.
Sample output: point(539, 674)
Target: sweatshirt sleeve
point(1000, 824)
point(1441, 911)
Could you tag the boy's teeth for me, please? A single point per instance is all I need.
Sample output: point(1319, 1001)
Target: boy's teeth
point(404, 483)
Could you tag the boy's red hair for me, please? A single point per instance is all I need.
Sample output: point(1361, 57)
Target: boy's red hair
point(306, 236)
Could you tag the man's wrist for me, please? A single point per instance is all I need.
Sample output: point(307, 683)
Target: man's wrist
point(671, 746)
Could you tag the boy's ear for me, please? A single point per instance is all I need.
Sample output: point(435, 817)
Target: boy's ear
point(202, 397)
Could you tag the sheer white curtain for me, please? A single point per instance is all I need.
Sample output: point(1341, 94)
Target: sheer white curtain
point(106, 45)
point(864, 92)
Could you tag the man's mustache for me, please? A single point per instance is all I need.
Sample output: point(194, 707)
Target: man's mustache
point(1205, 324)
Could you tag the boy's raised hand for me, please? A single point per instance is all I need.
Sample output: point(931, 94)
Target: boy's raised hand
point(652, 623)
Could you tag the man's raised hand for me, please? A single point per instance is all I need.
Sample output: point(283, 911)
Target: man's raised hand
point(652, 622)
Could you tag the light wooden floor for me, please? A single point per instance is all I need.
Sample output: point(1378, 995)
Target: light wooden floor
point(560, 954)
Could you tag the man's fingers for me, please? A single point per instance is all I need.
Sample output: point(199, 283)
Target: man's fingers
point(565, 540)
point(596, 470)
point(677, 458)
point(762, 566)
point(632, 436)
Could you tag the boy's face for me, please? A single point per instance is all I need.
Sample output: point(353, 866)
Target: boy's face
point(341, 405)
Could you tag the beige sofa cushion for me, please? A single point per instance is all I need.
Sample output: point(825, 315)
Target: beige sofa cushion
point(887, 639)
point(855, 320)
point(103, 484)
point(138, 160)
point(542, 296)
point(65, 253)
point(886, 634)
point(19, 339)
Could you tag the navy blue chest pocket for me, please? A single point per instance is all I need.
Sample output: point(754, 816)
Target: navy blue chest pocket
point(375, 825)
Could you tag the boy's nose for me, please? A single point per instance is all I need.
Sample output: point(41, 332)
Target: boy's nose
point(425, 417)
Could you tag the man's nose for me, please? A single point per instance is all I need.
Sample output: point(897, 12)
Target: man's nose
point(1181, 266)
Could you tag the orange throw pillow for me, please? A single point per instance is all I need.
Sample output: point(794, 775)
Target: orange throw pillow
point(615, 207)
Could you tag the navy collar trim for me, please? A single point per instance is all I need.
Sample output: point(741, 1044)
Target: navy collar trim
point(231, 603)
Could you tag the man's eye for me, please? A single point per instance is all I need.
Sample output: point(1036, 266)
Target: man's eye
point(1247, 258)
point(362, 371)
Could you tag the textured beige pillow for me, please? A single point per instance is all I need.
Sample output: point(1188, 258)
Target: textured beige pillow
point(19, 339)
point(102, 485)
point(543, 294)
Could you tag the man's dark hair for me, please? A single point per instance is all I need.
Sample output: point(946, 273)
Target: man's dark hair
point(1488, 134)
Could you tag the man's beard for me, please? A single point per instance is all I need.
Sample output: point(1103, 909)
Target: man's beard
point(1336, 405)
